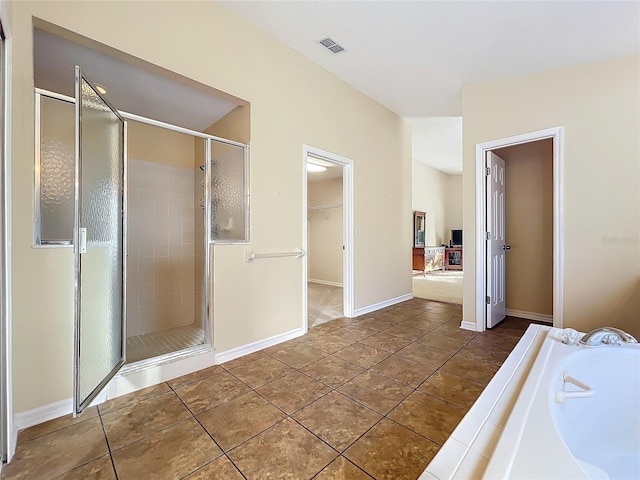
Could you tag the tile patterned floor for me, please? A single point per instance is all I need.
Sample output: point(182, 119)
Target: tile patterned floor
point(148, 345)
point(362, 398)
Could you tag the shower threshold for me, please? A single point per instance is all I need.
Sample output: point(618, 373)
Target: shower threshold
point(162, 342)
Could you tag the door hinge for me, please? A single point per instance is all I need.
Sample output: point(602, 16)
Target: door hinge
point(488, 300)
point(487, 171)
point(487, 236)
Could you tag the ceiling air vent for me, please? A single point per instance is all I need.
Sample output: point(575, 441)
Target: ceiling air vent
point(331, 45)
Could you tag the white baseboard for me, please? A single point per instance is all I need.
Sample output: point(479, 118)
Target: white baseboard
point(42, 414)
point(242, 350)
point(386, 303)
point(325, 282)
point(48, 412)
point(132, 379)
point(13, 443)
point(121, 384)
point(468, 325)
point(539, 317)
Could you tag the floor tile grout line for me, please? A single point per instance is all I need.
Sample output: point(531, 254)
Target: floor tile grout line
point(367, 369)
point(415, 389)
point(212, 439)
point(210, 436)
point(291, 416)
point(166, 427)
point(135, 401)
point(106, 439)
point(209, 463)
point(351, 462)
point(418, 433)
point(64, 427)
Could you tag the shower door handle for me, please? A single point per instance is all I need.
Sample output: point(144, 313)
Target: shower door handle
point(82, 240)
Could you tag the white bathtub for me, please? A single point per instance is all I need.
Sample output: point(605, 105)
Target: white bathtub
point(590, 437)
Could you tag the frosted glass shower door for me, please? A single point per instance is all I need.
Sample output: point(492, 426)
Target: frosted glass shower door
point(99, 233)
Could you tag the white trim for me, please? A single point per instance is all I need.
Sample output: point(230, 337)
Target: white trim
point(130, 380)
point(538, 317)
point(325, 282)
point(386, 303)
point(152, 362)
point(468, 326)
point(467, 448)
point(237, 352)
point(347, 231)
point(557, 135)
point(123, 383)
point(10, 435)
point(50, 411)
point(43, 414)
point(149, 121)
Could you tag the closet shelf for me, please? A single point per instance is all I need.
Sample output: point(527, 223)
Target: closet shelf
point(326, 207)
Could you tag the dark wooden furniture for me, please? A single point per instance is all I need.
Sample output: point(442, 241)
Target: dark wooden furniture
point(453, 258)
point(419, 231)
point(418, 258)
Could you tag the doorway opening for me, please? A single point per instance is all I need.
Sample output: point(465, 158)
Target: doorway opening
point(324, 241)
point(327, 232)
point(492, 241)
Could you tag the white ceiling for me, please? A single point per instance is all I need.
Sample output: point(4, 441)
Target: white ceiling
point(437, 141)
point(129, 87)
point(414, 56)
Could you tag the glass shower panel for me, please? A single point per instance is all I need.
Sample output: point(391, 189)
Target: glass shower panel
point(229, 197)
point(99, 260)
point(55, 171)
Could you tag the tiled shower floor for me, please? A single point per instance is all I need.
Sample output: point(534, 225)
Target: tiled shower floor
point(372, 397)
point(148, 345)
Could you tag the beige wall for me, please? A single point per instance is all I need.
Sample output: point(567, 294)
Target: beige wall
point(154, 144)
point(529, 226)
point(235, 125)
point(253, 301)
point(440, 195)
point(598, 106)
point(324, 235)
point(453, 206)
point(430, 196)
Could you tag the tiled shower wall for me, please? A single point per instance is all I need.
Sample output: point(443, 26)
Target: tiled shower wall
point(161, 246)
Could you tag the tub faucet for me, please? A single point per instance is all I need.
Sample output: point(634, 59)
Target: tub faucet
point(606, 336)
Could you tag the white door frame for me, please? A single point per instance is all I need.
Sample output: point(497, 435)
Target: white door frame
point(8, 430)
point(557, 135)
point(347, 230)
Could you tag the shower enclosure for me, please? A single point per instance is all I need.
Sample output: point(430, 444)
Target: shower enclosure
point(180, 200)
point(164, 313)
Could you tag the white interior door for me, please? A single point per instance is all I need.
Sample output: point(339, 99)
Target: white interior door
point(99, 239)
point(495, 282)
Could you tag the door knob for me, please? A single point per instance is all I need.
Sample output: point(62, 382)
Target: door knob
point(506, 247)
